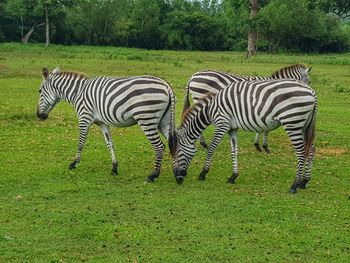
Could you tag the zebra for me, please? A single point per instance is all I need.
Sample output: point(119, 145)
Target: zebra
point(146, 100)
point(255, 106)
point(213, 81)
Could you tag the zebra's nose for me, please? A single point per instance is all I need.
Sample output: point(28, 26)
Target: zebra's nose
point(41, 115)
point(180, 176)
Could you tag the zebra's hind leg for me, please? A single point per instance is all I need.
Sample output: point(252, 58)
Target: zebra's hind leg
point(256, 142)
point(109, 142)
point(158, 146)
point(297, 140)
point(234, 153)
point(202, 141)
point(308, 168)
point(84, 129)
point(264, 145)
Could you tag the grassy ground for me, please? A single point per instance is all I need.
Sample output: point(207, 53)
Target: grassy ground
point(51, 214)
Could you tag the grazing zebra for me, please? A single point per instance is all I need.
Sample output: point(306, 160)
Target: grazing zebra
point(206, 81)
point(256, 106)
point(147, 101)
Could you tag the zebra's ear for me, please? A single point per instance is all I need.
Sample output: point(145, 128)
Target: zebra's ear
point(309, 69)
point(56, 70)
point(45, 73)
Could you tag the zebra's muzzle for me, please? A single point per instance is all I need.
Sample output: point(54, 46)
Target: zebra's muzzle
point(41, 115)
point(180, 176)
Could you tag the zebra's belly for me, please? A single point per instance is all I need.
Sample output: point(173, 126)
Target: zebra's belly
point(116, 122)
point(256, 125)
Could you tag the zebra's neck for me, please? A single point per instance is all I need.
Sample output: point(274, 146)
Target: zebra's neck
point(69, 87)
point(196, 120)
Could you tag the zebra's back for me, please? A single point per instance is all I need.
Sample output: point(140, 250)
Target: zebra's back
point(265, 104)
point(124, 101)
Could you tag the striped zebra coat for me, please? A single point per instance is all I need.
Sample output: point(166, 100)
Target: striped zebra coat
point(213, 81)
point(256, 106)
point(147, 101)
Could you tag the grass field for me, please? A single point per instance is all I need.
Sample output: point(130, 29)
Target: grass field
point(51, 214)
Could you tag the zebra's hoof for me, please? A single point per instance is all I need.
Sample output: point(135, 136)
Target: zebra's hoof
point(292, 190)
point(149, 180)
point(73, 165)
point(179, 180)
point(266, 148)
point(231, 180)
point(302, 185)
point(114, 169)
point(257, 147)
point(201, 177)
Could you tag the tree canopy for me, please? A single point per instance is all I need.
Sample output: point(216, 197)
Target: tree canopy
point(300, 25)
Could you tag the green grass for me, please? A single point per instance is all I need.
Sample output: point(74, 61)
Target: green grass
point(51, 214)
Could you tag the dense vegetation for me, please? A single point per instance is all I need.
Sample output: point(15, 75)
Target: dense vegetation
point(301, 25)
point(51, 214)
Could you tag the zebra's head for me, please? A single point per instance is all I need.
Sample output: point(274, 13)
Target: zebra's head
point(297, 71)
point(182, 151)
point(48, 97)
point(305, 75)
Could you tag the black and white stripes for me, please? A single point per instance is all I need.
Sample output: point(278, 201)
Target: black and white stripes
point(213, 81)
point(256, 106)
point(147, 101)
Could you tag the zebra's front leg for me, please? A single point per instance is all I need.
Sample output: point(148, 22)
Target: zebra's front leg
point(202, 141)
point(109, 142)
point(84, 129)
point(234, 153)
point(218, 135)
point(264, 145)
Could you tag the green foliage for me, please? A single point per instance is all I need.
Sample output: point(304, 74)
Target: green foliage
point(302, 25)
point(193, 31)
point(291, 25)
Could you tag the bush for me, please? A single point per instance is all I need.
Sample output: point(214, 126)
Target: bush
point(291, 25)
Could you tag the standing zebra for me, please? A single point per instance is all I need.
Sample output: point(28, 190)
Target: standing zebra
point(256, 106)
point(147, 101)
point(212, 81)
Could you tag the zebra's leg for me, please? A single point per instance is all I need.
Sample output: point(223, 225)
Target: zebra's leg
point(234, 153)
point(84, 129)
point(158, 146)
point(218, 135)
point(308, 168)
point(264, 145)
point(202, 141)
point(297, 140)
point(256, 142)
point(109, 142)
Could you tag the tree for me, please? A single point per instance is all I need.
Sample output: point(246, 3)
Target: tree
point(252, 34)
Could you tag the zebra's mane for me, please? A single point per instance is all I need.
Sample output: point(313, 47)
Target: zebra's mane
point(71, 74)
point(208, 97)
point(292, 67)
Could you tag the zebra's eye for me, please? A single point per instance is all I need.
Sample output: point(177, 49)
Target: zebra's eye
point(39, 90)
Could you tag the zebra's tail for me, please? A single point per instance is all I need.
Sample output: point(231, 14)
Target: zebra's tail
point(309, 133)
point(187, 103)
point(172, 140)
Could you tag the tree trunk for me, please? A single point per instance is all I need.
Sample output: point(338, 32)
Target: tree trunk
point(252, 35)
point(26, 38)
point(22, 26)
point(47, 27)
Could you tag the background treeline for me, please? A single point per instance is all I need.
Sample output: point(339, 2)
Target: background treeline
point(298, 25)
